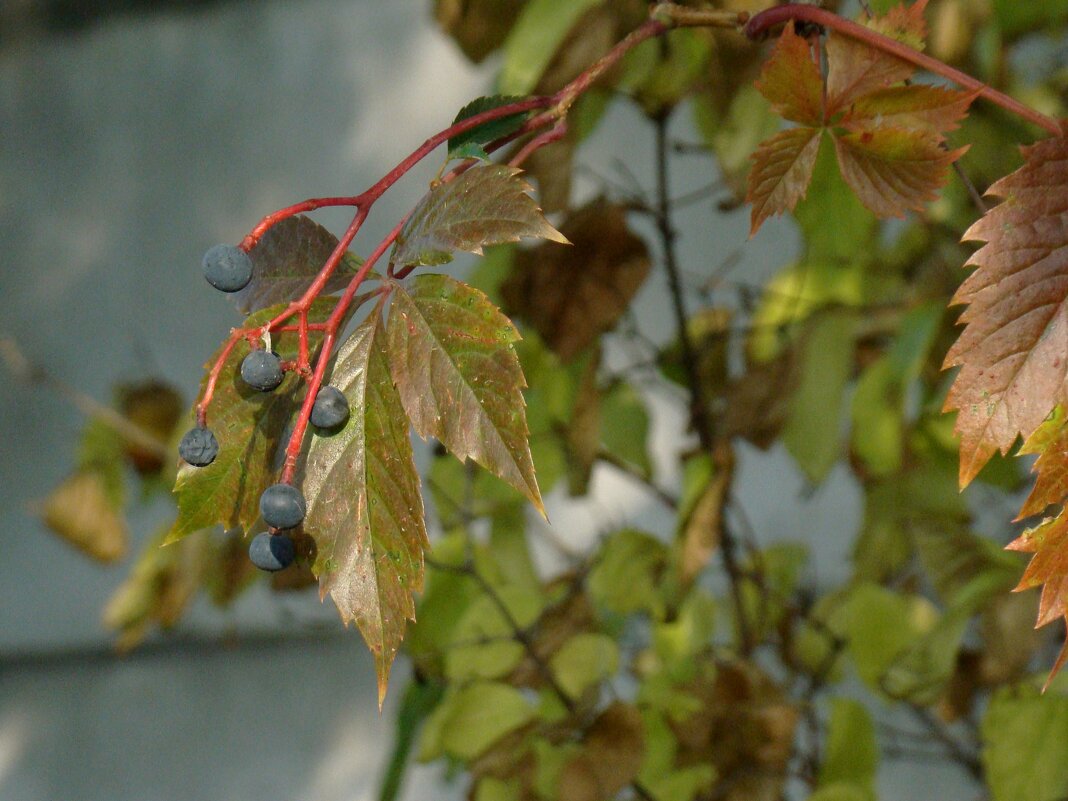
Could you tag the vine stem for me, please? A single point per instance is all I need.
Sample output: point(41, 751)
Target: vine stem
point(760, 23)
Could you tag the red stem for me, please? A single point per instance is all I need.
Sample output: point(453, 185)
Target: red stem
point(778, 15)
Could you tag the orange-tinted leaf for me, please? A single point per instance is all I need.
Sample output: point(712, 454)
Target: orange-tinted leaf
point(1048, 541)
point(855, 69)
point(1012, 350)
point(791, 81)
point(893, 169)
point(917, 107)
point(453, 359)
point(486, 205)
point(782, 169)
point(364, 507)
point(572, 295)
point(1050, 442)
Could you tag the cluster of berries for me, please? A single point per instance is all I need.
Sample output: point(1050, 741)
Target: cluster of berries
point(282, 506)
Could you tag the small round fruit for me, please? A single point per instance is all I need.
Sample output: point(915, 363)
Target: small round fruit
point(331, 409)
point(227, 268)
point(282, 506)
point(199, 447)
point(271, 552)
point(262, 370)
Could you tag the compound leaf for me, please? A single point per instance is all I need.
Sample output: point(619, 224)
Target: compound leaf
point(249, 427)
point(791, 81)
point(894, 169)
point(453, 359)
point(782, 169)
point(364, 507)
point(286, 261)
point(1014, 370)
point(469, 143)
point(486, 205)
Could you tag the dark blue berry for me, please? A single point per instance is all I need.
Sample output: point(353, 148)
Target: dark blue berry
point(227, 268)
point(199, 447)
point(262, 370)
point(330, 410)
point(271, 552)
point(282, 506)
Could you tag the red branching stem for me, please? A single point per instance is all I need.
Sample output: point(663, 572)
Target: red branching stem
point(555, 134)
point(762, 22)
point(213, 377)
point(256, 234)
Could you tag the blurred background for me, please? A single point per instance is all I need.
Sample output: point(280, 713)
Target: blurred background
point(134, 136)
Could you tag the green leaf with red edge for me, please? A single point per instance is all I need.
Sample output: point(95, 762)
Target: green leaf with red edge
point(919, 107)
point(782, 169)
point(1050, 442)
point(893, 170)
point(365, 511)
point(1014, 367)
point(470, 143)
point(486, 205)
point(791, 81)
point(248, 425)
point(286, 260)
point(453, 359)
point(855, 69)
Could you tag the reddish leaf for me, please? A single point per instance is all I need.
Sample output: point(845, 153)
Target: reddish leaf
point(572, 295)
point(1012, 351)
point(1050, 442)
point(452, 357)
point(782, 169)
point(791, 81)
point(855, 69)
point(894, 169)
point(364, 507)
point(486, 205)
point(1048, 542)
point(248, 425)
point(286, 261)
point(918, 107)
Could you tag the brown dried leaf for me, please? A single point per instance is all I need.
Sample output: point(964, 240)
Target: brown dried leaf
point(81, 512)
point(478, 26)
point(572, 295)
point(612, 755)
point(1014, 368)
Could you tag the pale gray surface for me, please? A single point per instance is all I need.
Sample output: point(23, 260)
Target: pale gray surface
point(127, 151)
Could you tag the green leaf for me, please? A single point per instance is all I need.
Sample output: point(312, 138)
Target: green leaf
point(452, 358)
point(625, 426)
point(921, 672)
point(882, 624)
point(625, 575)
point(813, 433)
point(101, 451)
point(493, 789)
point(486, 205)
point(1015, 18)
point(1025, 752)
point(851, 754)
point(584, 661)
point(420, 699)
point(365, 511)
point(470, 720)
point(533, 41)
point(483, 643)
point(840, 792)
point(469, 144)
point(287, 259)
point(249, 427)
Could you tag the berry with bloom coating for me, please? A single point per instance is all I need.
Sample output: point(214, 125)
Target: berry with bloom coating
point(227, 268)
point(271, 552)
point(282, 506)
point(331, 409)
point(199, 447)
point(262, 370)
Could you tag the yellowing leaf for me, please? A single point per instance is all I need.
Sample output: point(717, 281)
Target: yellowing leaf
point(453, 359)
point(893, 170)
point(1050, 442)
point(782, 169)
point(81, 511)
point(1012, 352)
point(791, 81)
point(486, 205)
point(1048, 568)
point(365, 511)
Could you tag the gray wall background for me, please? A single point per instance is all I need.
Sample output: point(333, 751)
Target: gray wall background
point(129, 148)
